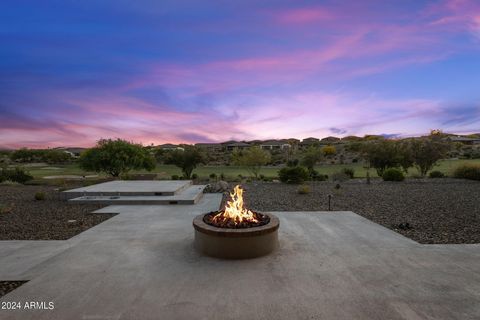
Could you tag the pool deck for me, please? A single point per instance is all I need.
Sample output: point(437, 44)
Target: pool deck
point(141, 264)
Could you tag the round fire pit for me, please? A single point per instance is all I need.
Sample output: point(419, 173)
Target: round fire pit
point(236, 243)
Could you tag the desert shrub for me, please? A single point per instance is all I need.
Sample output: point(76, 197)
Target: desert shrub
point(316, 176)
point(329, 150)
point(175, 177)
point(349, 172)
point(4, 208)
point(339, 176)
point(38, 155)
point(293, 175)
point(10, 183)
point(252, 159)
point(27, 155)
point(125, 176)
point(15, 175)
point(436, 174)
point(303, 189)
point(393, 174)
point(292, 163)
point(311, 157)
point(40, 196)
point(467, 171)
point(472, 154)
point(56, 156)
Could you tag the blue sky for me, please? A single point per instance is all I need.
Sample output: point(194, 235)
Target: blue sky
point(72, 72)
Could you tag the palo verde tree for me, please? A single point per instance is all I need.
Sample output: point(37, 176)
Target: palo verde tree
point(405, 154)
point(187, 159)
point(311, 157)
point(252, 159)
point(382, 154)
point(426, 152)
point(116, 157)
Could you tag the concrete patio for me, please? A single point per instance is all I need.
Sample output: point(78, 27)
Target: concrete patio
point(141, 264)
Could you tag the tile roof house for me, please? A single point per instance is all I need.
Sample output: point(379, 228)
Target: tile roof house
point(275, 145)
point(169, 146)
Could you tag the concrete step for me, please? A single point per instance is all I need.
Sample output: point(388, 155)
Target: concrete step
point(190, 195)
point(130, 188)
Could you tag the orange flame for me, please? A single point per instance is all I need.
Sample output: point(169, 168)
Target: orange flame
point(235, 210)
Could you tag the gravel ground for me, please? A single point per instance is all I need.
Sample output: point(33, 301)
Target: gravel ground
point(428, 211)
point(24, 218)
point(7, 286)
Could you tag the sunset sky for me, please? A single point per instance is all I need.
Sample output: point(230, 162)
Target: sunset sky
point(153, 71)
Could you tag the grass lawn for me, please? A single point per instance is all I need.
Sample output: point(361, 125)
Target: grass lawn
point(166, 171)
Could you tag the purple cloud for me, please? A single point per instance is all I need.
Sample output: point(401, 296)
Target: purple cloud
point(171, 72)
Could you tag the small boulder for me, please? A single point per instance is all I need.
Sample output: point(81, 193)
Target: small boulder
point(220, 186)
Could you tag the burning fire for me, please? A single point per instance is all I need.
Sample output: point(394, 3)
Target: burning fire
point(235, 211)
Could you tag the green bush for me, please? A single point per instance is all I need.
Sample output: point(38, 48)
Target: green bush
point(213, 176)
point(293, 175)
point(194, 176)
point(40, 196)
point(15, 175)
point(349, 172)
point(318, 176)
point(175, 177)
point(339, 176)
point(10, 183)
point(467, 171)
point(393, 174)
point(292, 163)
point(303, 189)
point(125, 176)
point(436, 174)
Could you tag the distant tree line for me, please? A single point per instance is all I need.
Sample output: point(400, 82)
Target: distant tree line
point(117, 157)
point(50, 156)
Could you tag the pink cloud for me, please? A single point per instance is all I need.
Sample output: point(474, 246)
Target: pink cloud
point(360, 46)
point(303, 15)
point(455, 15)
point(279, 115)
